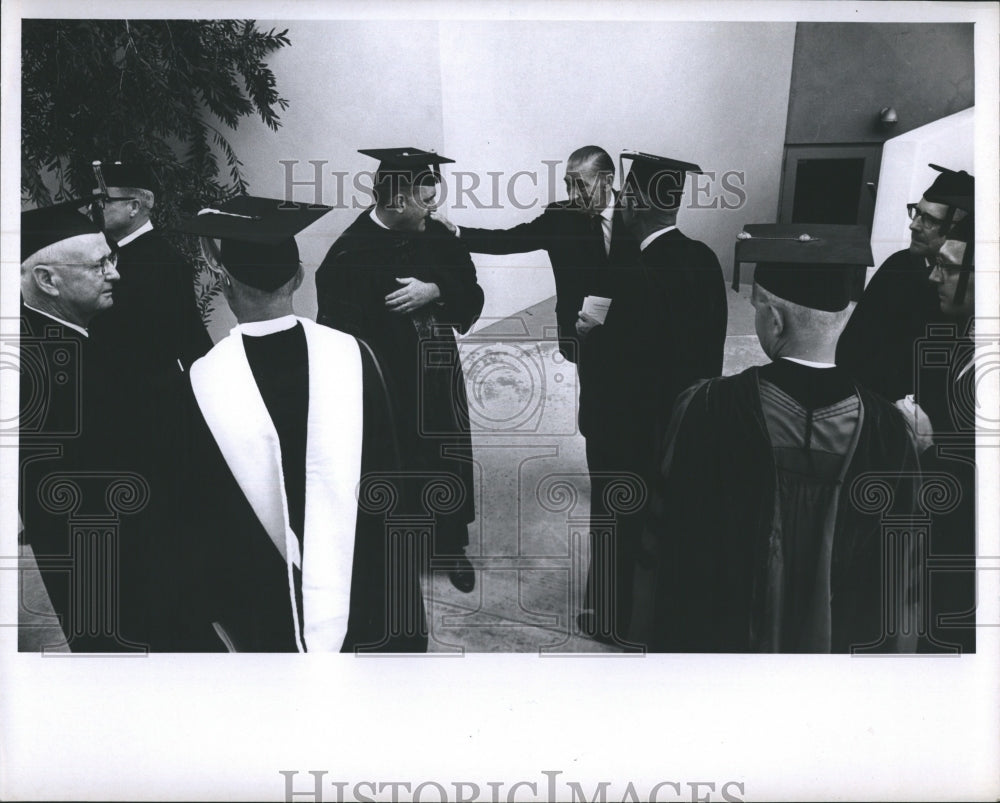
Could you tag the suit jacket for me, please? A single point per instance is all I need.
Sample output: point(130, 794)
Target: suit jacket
point(580, 265)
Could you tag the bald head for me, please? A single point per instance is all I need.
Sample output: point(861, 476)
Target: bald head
point(786, 329)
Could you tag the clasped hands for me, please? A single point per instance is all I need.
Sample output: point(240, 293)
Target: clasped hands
point(413, 295)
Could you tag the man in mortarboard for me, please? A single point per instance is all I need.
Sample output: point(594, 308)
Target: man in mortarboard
point(153, 334)
point(289, 420)
point(760, 545)
point(943, 413)
point(155, 326)
point(665, 329)
point(401, 282)
point(898, 305)
point(68, 270)
point(584, 237)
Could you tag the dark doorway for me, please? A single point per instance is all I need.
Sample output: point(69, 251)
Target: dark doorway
point(830, 184)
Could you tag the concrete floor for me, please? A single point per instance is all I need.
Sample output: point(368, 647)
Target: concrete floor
point(529, 540)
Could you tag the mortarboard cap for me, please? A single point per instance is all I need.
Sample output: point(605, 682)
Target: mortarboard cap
point(411, 165)
point(659, 179)
point(127, 174)
point(820, 266)
point(956, 189)
point(52, 224)
point(258, 236)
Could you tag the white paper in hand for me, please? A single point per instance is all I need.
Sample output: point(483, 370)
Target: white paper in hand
point(596, 307)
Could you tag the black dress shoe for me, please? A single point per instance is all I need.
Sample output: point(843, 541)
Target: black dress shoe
point(462, 576)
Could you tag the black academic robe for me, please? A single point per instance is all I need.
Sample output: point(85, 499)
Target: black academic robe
point(714, 511)
point(233, 581)
point(419, 350)
point(154, 326)
point(946, 391)
point(666, 329)
point(580, 264)
point(151, 335)
point(78, 499)
point(879, 344)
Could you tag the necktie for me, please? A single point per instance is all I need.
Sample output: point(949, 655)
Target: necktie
point(597, 230)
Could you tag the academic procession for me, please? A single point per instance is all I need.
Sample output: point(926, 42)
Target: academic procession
point(647, 382)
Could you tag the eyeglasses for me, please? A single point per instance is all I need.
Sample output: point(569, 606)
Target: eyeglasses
point(104, 267)
point(103, 201)
point(914, 211)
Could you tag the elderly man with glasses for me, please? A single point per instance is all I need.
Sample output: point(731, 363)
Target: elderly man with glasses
point(68, 271)
point(878, 345)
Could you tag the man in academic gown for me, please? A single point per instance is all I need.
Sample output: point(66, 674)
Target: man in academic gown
point(399, 281)
point(584, 237)
point(290, 427)
point(154, 325)
point(944, 416)
point(878, 345)
point(153, 333)
point(66, 419)
point(665, 329)
point(762, 540)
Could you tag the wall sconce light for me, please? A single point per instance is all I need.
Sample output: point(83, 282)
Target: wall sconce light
point(887, 116)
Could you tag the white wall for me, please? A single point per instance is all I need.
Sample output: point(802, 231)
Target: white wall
point(350, 85)
point(505, 96)
point(905, 175)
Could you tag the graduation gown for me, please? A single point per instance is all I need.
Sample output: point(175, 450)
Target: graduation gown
point(878, 345)
point(747, 512)
point(580, 264)
point(77, 499)
point(151, 336)
point(419, 350)
point(286, 430)
point(946, 391)
point(666, 328)
point(154, 325)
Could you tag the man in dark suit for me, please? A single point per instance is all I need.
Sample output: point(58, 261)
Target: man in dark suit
point(665, 329)
point(584, 237)
point(877, 345)
point(68, 270)
point(590, 248)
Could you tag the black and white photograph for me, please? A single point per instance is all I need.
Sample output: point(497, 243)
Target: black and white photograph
point(548, 401)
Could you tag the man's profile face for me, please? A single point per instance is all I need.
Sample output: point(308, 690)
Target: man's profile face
point(588, 189)
point(115, 213)
point(945, 276)
point(419, 202)
point(83, 280)
point(926, 230)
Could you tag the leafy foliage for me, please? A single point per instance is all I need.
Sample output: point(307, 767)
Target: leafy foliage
point(158, 91)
